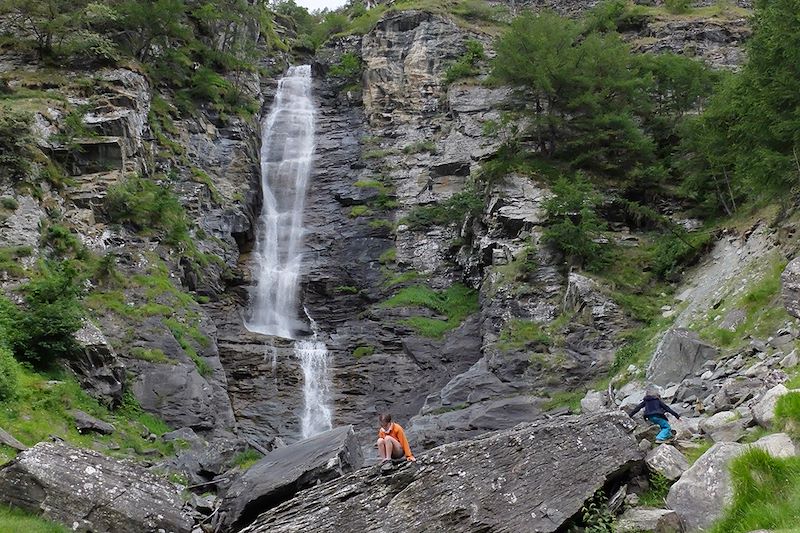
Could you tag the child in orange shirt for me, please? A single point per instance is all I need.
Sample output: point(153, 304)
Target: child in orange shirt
point(392, 442)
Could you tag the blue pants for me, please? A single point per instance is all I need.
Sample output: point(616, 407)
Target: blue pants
point(666, 430)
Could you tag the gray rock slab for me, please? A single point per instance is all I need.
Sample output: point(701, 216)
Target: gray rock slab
point(533, 477)
point(285, 471)
point(91, 492)
point(86, 423)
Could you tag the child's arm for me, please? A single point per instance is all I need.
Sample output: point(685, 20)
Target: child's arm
point(668, 409)
point(404, 444)
point(638, 408)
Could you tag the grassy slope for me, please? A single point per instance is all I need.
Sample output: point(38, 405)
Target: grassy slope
point(41, 409)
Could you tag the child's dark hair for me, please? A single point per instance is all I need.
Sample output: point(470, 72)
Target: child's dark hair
point(385, 418)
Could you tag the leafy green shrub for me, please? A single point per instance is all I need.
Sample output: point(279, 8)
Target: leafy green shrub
point(467, 65)
point(8, 202)
point(677, 250)
point(656, 493)
point(148, 207)
point(596, 516)
point(16, 143)
point(9, 370)
point(348, 67)
point(574, 228)
point(63, 242)
point(51, 315)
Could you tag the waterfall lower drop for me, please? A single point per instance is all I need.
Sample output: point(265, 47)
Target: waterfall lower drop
point(313, 356)
point(287, 136)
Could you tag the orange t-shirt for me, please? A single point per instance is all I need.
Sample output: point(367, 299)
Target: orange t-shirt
point(396, 432)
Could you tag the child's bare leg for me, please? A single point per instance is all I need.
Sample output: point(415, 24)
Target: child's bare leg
point(394, 450)
point(382, 451)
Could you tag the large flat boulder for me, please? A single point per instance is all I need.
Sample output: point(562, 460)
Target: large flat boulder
point(285, 471)
point(92, 492)
point(680, 354)
point(533, 477)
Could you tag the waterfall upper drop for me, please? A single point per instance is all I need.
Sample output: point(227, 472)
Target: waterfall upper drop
point(287, 137)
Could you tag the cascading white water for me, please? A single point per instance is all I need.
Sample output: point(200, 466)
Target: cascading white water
point(286, 155)
point(287, 136)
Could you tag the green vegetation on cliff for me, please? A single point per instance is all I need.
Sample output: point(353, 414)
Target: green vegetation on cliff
point(454, 304)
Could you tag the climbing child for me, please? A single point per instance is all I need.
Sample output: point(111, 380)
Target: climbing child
point(392, 442)
point(655, 411)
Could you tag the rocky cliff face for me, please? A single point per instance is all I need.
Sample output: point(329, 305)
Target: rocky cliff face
point(392, 140)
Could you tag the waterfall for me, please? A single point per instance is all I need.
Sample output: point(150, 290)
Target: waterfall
point(313, 356)
point(287, 136)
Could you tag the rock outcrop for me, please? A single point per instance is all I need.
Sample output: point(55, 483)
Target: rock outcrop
point(700, 495)
point(91, 492)
point(535, 477)
point(790, 287)
point(285, 471)
point(679, 355)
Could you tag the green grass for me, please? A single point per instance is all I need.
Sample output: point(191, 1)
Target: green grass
point(360, 211)
point(693, 454)
point(389, 256)
point(41, 408)
point(793, 382)
point(518, 334)
point(18, 521)
point(10, 259)
point(570, 399)
point(763, 312)
point(787, 413)
point(393, 279)
point(346, 289)
point(766, 494)
point(363, 351)
point(656, 493)
point(199, 176)
point(456, 303)
point(419, 147)
point(247, 458)
point(185, 334)
point(153, 355)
